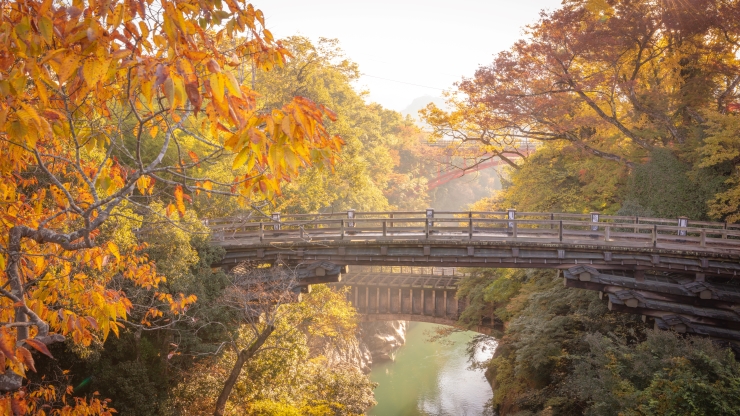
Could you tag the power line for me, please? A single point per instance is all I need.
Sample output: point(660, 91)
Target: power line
point(401, 82)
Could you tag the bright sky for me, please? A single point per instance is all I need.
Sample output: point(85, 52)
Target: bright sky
point(430, 43)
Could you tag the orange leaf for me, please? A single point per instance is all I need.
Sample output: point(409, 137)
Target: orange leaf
point(170, 209)
point(7, 342)
point(179, 200)
point(193, 156)
point(39, 346)
point(213, 66)
point(18, 406)
point(25, 357)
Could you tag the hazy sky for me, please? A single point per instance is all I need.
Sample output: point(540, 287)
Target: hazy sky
point(430, 43)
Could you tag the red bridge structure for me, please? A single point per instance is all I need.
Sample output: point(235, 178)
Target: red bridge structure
point(448, 171)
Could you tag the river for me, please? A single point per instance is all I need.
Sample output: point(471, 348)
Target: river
point(430, 378)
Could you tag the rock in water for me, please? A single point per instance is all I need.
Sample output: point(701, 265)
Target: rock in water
point(382, 339)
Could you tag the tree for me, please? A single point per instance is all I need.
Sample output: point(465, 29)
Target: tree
point(615, 79)
point(257, 294)
point(610, 83)
point(101, 103)
point(378, 167)
point(281, 354)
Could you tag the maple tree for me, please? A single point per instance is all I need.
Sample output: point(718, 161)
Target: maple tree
point(614, 80)
point(101, 102)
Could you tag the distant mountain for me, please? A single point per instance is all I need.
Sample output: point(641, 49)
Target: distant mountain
point(421, 102)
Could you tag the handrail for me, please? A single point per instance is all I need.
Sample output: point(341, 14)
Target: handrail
point(477, 225)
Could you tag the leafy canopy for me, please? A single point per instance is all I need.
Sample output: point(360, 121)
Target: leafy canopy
point(102, 103)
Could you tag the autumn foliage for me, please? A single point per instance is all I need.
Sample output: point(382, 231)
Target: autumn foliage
point(612, 81)
point(101, 104)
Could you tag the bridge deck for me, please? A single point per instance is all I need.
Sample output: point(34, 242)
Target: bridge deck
point(706, 254)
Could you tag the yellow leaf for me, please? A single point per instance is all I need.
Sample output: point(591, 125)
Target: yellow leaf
point(217, 87)
point(233, 85)
point(240, 159)
point(113, 248)
point(93, 70)
point(29, 112)
point(251, 161)
point(70, 64)
point(46, 28)
point(142, 184)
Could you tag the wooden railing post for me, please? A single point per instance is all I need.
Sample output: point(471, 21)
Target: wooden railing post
point(426, 229)
point(683, 222)
point(724, 234)
point(430, 216)
point(594, 219)
point(655, 235)
point(341, 234)
point(301, 228)
point(703, 238)
point(513, 230)
point(470, 228)
point(276, 220)
point(560, 230)
point(607, 232)
point(262, 231)
point(385, 230)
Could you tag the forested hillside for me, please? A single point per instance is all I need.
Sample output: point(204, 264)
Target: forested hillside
point(635, 108)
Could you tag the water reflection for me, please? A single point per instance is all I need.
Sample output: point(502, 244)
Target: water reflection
point(430, 378)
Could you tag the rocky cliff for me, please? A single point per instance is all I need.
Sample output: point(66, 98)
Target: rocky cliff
point(382, 339)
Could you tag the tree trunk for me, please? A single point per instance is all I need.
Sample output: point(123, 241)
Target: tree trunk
point(243, 356)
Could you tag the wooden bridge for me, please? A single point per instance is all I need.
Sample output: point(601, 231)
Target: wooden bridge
point(702, 258)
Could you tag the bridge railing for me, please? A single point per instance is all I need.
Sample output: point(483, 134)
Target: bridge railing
point(480, 226)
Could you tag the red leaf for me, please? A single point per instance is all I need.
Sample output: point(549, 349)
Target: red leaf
point(39, 346)
point(25, 357)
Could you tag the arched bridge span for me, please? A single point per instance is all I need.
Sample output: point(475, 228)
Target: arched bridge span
point(679, 273)
point(485, 239)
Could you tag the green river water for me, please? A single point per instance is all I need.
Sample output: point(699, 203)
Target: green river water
point(429, 378)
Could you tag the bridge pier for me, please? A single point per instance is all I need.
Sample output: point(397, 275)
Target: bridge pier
point(383, 293)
